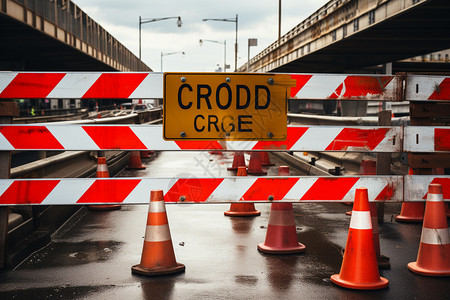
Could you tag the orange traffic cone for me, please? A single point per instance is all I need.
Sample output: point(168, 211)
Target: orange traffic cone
point(242, 209)
point(102, 172)
point(368, 167)
point(145, 154)
point(281, 236)
point(135, 163)
point(265, 159)
point(254, 165)
point(158, 257)
point(433, 258)
point(411, 212)
point(359, 268)
point(238, 161)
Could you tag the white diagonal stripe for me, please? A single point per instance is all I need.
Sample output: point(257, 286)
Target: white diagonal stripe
point(5, 79)
point(74, 85)
point(360, 220)
point(300, 188)
point(4, 185)
point(150, 87)
point(433, 236)
point(72, 137)
point(316, 139)
point(68, 191)
point(231, 189)
point(157, 233)
point(151, 137)
point(387, 143)
point(240, 145)
point(141, 193)
point(5, 144)
point(321, 86)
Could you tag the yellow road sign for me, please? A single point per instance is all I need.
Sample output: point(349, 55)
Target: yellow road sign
point(221, 106)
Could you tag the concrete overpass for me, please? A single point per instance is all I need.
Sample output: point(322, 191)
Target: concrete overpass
point(54, 35)
point(348, 35)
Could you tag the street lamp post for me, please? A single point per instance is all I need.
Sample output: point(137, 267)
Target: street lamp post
point(251, 43)
point(224, 43)
point(149, 20)
point(236, 42)
point(169, 53)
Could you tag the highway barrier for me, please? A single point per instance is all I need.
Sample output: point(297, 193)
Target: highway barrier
point(224, 92)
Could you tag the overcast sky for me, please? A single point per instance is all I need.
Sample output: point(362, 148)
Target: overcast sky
point(257, 19)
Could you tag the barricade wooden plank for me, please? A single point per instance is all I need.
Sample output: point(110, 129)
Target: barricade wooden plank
point(149, 137)
point(129, 85)
point(416, 187)
point(426, 139)
point(427, 87)
point(198, 190)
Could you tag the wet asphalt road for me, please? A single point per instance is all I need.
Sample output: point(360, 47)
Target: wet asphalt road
point(91, 256)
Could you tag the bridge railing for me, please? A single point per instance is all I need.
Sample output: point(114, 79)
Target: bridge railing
point(376, 139)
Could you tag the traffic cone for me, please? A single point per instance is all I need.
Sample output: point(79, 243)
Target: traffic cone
point(242, 209)
point(433, 258)
point(145, 154)
point(281, 236)
point(102, 172)
point(411, 212)
point(265, 159)
point(134, 162)
point(254, 165)
point(359, 268)
point(367, 167)
point(238, 161)
point(158, 257)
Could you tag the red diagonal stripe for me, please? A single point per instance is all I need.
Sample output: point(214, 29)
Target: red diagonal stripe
point(387, 193)
point(443, 92)
point(441, 139)
point(30, 137)
point(361, 86)
point(192, 189)
point(293, 135)
point(115, 85)
point(330, 188)
point(114, 137)
point(301, 80)
point(199, 145)
point(32, 85)
point(262, 188)
point(109, 191)
point(28, 192)
point(445, 182)
point(358, 138)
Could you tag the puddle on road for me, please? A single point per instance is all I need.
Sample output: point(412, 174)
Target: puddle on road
point(70, 254)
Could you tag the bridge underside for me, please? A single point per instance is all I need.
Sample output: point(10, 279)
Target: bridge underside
point(25, 48)
point(418, 31)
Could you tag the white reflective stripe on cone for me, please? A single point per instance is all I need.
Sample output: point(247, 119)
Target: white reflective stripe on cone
point(435, 236)
point(157, 233)
point(102, 168)
point(156, 207)
point(435, 197)
point(360, 220)
point(281, 218)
